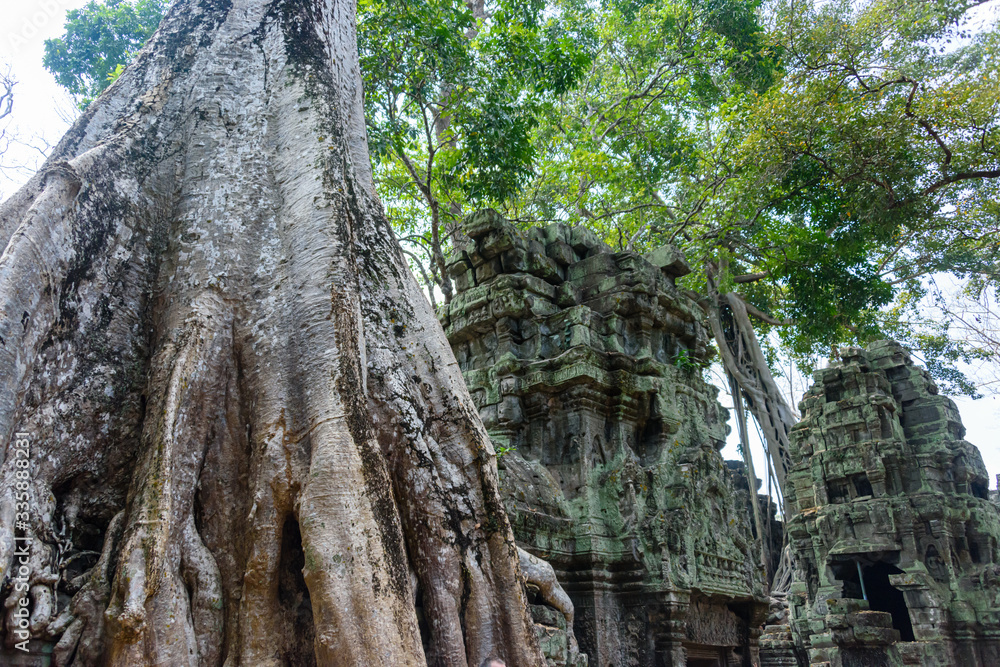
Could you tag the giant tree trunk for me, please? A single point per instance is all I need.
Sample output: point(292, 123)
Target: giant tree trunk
point(250, 442)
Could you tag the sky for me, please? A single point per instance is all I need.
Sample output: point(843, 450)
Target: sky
point(41, 110)
point(36, 117)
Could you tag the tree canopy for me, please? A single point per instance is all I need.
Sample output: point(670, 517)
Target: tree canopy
point(453, 92)
point(821, 161)
point(100, 39)
point(870, 165)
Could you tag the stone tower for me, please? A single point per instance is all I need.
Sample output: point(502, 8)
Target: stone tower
point(894, 537)
point(586, 366)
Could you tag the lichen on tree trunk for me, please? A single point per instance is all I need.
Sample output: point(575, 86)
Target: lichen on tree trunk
point(250, 443)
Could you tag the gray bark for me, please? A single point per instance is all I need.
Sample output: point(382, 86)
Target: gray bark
point(744, 360)
point(540, 574)
point(248, 433)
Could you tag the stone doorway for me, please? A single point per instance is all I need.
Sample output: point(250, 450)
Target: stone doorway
point(700, 655)
point(882, 595)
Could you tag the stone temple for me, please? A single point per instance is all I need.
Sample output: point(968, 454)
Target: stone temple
point(893, 534)
point(586, 366)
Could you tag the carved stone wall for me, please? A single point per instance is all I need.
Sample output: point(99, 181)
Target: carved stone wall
point(586, 367)
point(890, 503)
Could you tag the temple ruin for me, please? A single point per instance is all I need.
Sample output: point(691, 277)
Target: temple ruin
point(586, 366)
point(894, 536)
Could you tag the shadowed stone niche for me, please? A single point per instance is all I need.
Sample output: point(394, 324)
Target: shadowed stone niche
point(586, 366)
point(893, 534)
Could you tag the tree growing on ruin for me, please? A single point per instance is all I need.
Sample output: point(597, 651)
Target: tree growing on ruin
point(248, 442)
point(816, 161)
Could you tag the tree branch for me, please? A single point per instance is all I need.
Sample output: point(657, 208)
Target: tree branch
point(964, 176)
point(760, 314)
point(751, 277)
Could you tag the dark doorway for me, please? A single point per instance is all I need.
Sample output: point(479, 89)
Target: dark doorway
point(699, 655)
point(883, 596)
point(705, 656)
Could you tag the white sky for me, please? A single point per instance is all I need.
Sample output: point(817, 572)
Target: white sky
point(37, 120)
point(24, 27)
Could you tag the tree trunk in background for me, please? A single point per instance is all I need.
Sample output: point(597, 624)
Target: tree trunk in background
point(249, 441)
point(744, 360)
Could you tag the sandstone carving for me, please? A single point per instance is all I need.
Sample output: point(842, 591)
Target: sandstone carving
point(893, 534)
point(586, 367)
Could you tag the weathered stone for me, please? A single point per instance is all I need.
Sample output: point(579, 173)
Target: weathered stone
point(613, 472)
point(670, 260)
point(890, 504)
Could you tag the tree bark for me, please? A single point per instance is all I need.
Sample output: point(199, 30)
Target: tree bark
point(250, 443)
point(744, 361)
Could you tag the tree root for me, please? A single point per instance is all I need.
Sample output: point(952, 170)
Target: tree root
point(201, 575)
point(166, 599)
point(208, 327)
point(539, 573)
point(82, 640)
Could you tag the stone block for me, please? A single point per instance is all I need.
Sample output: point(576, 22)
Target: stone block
point(555, 232)
point(488, 270)
point(670, 260)
point(482, 222)
point(600, 265)
point(514, 260)
point(561, 252)
point(877, 636)
point(586, 243)
point(867, 618)
point(544, 267)
point(495, 244)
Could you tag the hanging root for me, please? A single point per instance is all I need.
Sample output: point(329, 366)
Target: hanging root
point(539, 573)
point(82, 622)
point(34, 576)
point(743, 359)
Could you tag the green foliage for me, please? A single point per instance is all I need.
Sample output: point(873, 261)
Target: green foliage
point(688, 365)
point(448, 110)
point(113, 76)
point(101, 38)
point(619, 151)
point(452, 95)
point(824, 159)
point(502, 451)
point(820, 168)
point(871, 164)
